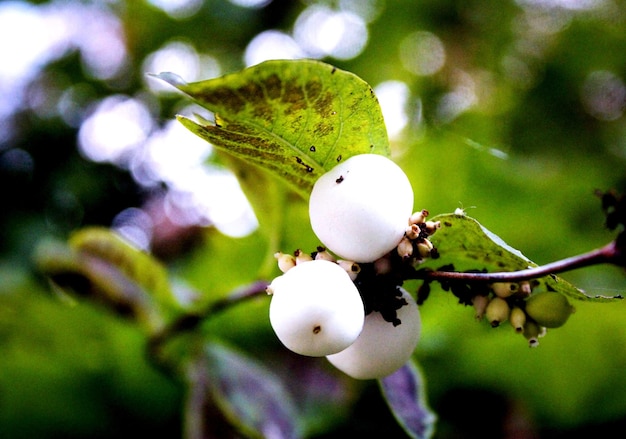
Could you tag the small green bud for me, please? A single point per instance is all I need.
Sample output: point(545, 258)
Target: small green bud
point(532, 331)
point(405, 248)
point(412, 232)
point(323, 254)
point(549, 309)
point(418, 217)
point(432, 226)
point(285, 261)
point(302, 257)
point(504, 289)
point(497, 311)
point(480, 305)
point(352, 268)
point(517, 319)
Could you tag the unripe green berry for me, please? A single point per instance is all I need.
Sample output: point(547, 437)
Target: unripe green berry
point(302, 257)
point(532, 331)
point(480, 302)
point(504, 289)
point(549, 309)
point(382, 348)
point(517, 318)
point(285, 261)
point(352, 268)
point(497, 311)
point(405, 248)
point(316, 310)
point(360, 208)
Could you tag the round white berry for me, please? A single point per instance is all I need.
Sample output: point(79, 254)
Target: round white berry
point(316, 309)
point(382, 348)
point(360, 208)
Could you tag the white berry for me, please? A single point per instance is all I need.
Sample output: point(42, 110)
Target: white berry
point(360, 208)
point(316, 309)
point(382, 348)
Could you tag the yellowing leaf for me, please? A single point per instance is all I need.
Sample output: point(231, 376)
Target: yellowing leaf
point(294, 118)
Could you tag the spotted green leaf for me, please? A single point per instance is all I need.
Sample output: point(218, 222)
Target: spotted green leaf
point(467, 245)
point(294, 118)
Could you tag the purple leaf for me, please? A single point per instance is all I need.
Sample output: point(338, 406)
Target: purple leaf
point(249, 394)
point(405, 394)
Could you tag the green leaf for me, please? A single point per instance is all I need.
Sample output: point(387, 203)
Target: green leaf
point(99, 264)
point(251, 396)
point(467, 245)
point(294, 118)
point(139, 266)
point(405, 394)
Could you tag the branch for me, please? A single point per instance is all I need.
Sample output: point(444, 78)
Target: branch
point(610, 253)
point(189, 322)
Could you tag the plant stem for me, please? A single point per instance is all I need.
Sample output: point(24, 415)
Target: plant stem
point(189, 322)
point(607, 254)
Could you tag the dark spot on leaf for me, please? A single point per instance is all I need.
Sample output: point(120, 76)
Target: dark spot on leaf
point(312, 148)
point(323, 129)
point(263, 111)
point(332, 72)
point(307, 167)
point(313, 89)
point(447, 224)
point(252, 92)
point(222, 96)
point(323, 106)
point(273, 86)
point(339, 158)
point(294, 97)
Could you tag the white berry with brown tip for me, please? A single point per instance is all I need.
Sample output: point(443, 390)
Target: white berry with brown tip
point(316, 309)
point(360, 208)
point(382, 348)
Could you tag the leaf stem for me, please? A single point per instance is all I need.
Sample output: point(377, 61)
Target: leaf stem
point(610, 253)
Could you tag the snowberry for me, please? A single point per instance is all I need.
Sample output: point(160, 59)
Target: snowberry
point(316, 309)
point(382, 348)
point(360, 208)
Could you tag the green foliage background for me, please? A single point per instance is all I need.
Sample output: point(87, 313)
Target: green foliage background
point(75, 369)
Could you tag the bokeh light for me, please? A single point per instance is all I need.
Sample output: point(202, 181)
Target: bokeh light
point(322, 31)
point(116, 128)
point(422, 53)
point(393, 97)
point(603, 95)
point(178, 9)
point(272, 44)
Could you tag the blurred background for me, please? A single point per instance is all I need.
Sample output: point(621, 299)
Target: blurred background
point(512, 110)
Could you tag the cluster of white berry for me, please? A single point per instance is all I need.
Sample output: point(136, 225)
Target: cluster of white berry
point(352, 309)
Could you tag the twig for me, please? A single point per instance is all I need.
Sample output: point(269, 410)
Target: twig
point(607, 254)
point(189, 322)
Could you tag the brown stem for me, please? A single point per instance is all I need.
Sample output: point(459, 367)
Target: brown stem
point(607, 254)
point(189, 322)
